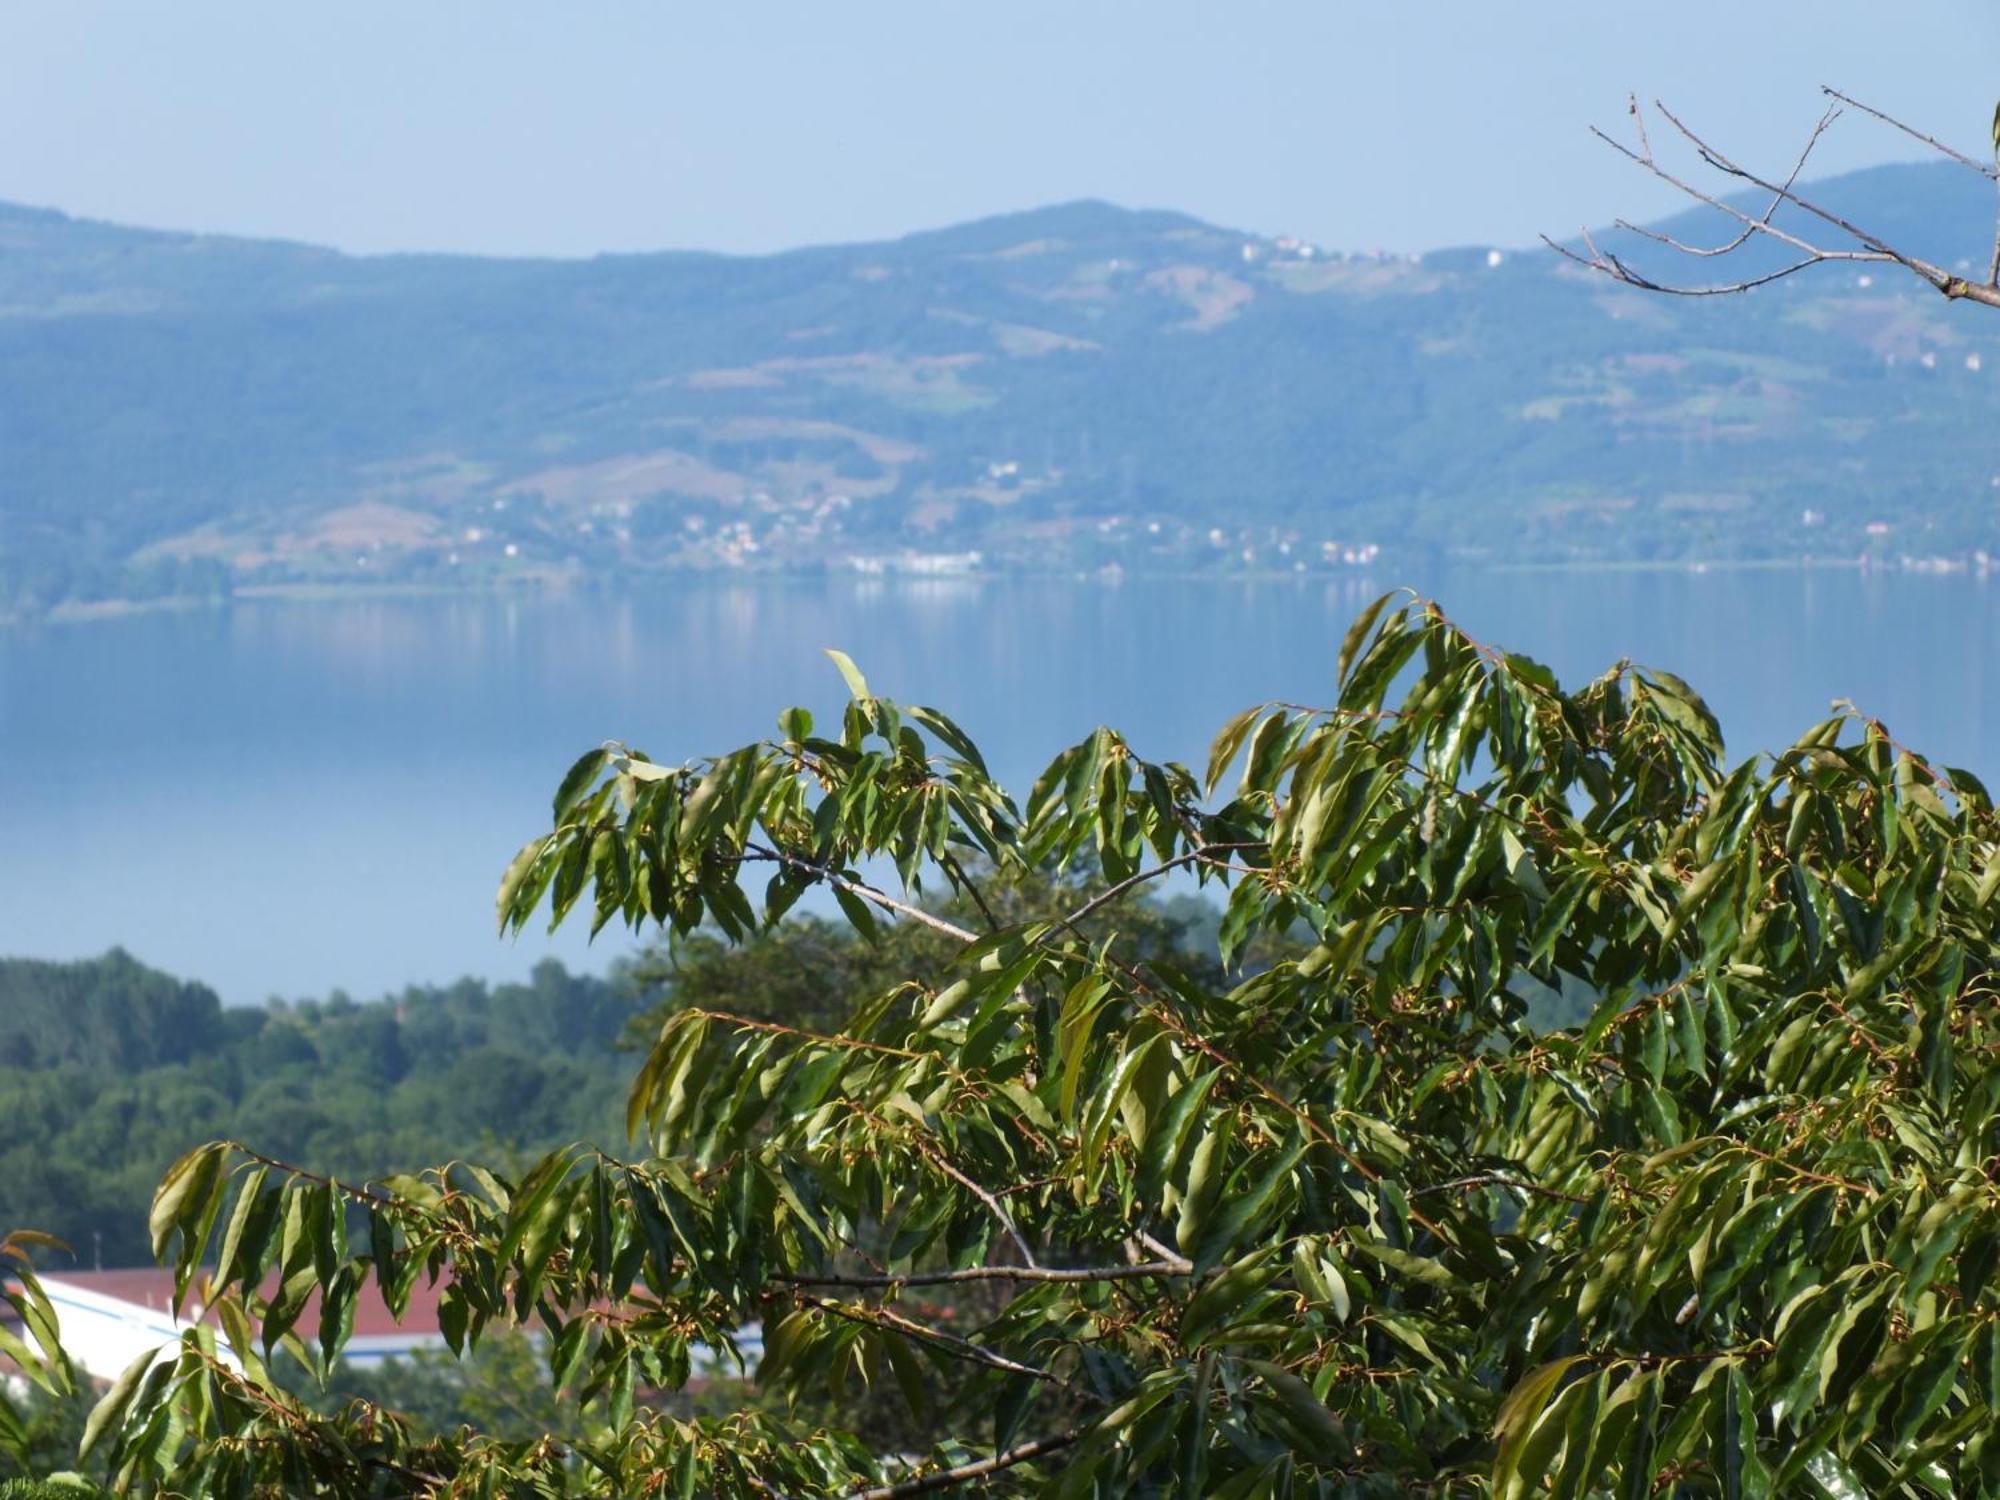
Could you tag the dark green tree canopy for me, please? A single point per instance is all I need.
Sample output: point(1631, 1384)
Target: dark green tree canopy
point(1346, 1216)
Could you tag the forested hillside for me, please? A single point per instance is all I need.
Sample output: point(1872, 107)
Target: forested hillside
point(108, 1068)
point(1074, 387)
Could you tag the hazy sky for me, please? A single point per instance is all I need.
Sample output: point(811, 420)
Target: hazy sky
point(532, 126)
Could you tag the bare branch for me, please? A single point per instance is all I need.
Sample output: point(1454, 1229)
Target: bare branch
point(1984, 169)
point(1618, 270)
point(937, 1159)
point(1750, 227)
point(1993, 270)
point(1167, 1253)
point(1723, 164)
point(1867, 247)
point(1639, 124)
point(1757, 223)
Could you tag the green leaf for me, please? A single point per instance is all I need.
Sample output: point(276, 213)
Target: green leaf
point(508, 902)
point(956, 739)
point(1834, 1478)
point(1167, 1144)
point(578, 780)
point(1325, 1440)
point(249, 1196)
point(858, 912)
point(1418, 1268)
point(1516, 1419)
point(851, 675)
point(1204, 1183)
point(1079, 1012)
point(111, 1408)
point(1356, 637)
point(1225, 746)
point(186, 1183)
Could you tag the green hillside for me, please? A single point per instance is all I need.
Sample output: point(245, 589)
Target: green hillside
point(109, 1068)
point(1073, 387)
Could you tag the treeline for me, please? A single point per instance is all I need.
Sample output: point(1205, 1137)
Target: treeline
point(32, 582)
point(110, 1069)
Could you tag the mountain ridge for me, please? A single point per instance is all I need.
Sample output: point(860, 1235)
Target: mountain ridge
point(1062, 215)
point(1076, 386)
point(1904, 198)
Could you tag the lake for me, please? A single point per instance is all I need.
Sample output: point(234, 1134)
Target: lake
point(283, 798)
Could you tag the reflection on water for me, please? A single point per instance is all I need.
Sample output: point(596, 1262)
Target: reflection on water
point(291, 797)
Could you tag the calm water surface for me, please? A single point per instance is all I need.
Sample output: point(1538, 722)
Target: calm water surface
point(285, 798)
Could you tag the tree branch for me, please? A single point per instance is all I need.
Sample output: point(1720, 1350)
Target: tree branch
point(867, 893)
point(778, 1028)
point(995, 1273)
point(946, 1478)
point(1993, 269)
point(1168, 1255)
point(1867, 247)
point(1497, 1179)
point(938, 1159)
point(1750, 226)
point(1202, 854)
point(950, 1343)
point(1982, 168)
point(965, 882)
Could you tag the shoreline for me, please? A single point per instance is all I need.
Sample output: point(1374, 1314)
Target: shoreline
point(85, 612)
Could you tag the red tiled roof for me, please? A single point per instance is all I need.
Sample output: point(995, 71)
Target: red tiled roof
point(152, 1287)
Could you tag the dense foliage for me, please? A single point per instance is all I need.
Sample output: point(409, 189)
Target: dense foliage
point(108, 1069)
point(1342, 1222)
point(1080, 385)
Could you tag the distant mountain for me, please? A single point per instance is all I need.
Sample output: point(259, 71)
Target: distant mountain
point(1072, 387)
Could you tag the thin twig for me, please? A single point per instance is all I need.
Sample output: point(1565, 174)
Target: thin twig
point(1748, 229)
point(950, 1343)
point(1758, 223)
point(1993, 270)
point(966, 883)
point(1951, 286)
point(1193, 856)
point(938, 1159)
point(1982, 168)
point(332, 1184)
point(1723, 164)
point(867, 893)
point(995, 1273)
point(1495, 1179)
point(1166, 1252)
point(946, 1478)
point(778, 1028)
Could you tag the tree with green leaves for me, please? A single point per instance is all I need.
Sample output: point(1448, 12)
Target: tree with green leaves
point(1342, 1219)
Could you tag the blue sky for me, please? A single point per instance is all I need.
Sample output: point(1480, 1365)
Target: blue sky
point(526, 126)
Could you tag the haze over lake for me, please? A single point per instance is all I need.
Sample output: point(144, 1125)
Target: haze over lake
point(285, 798)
